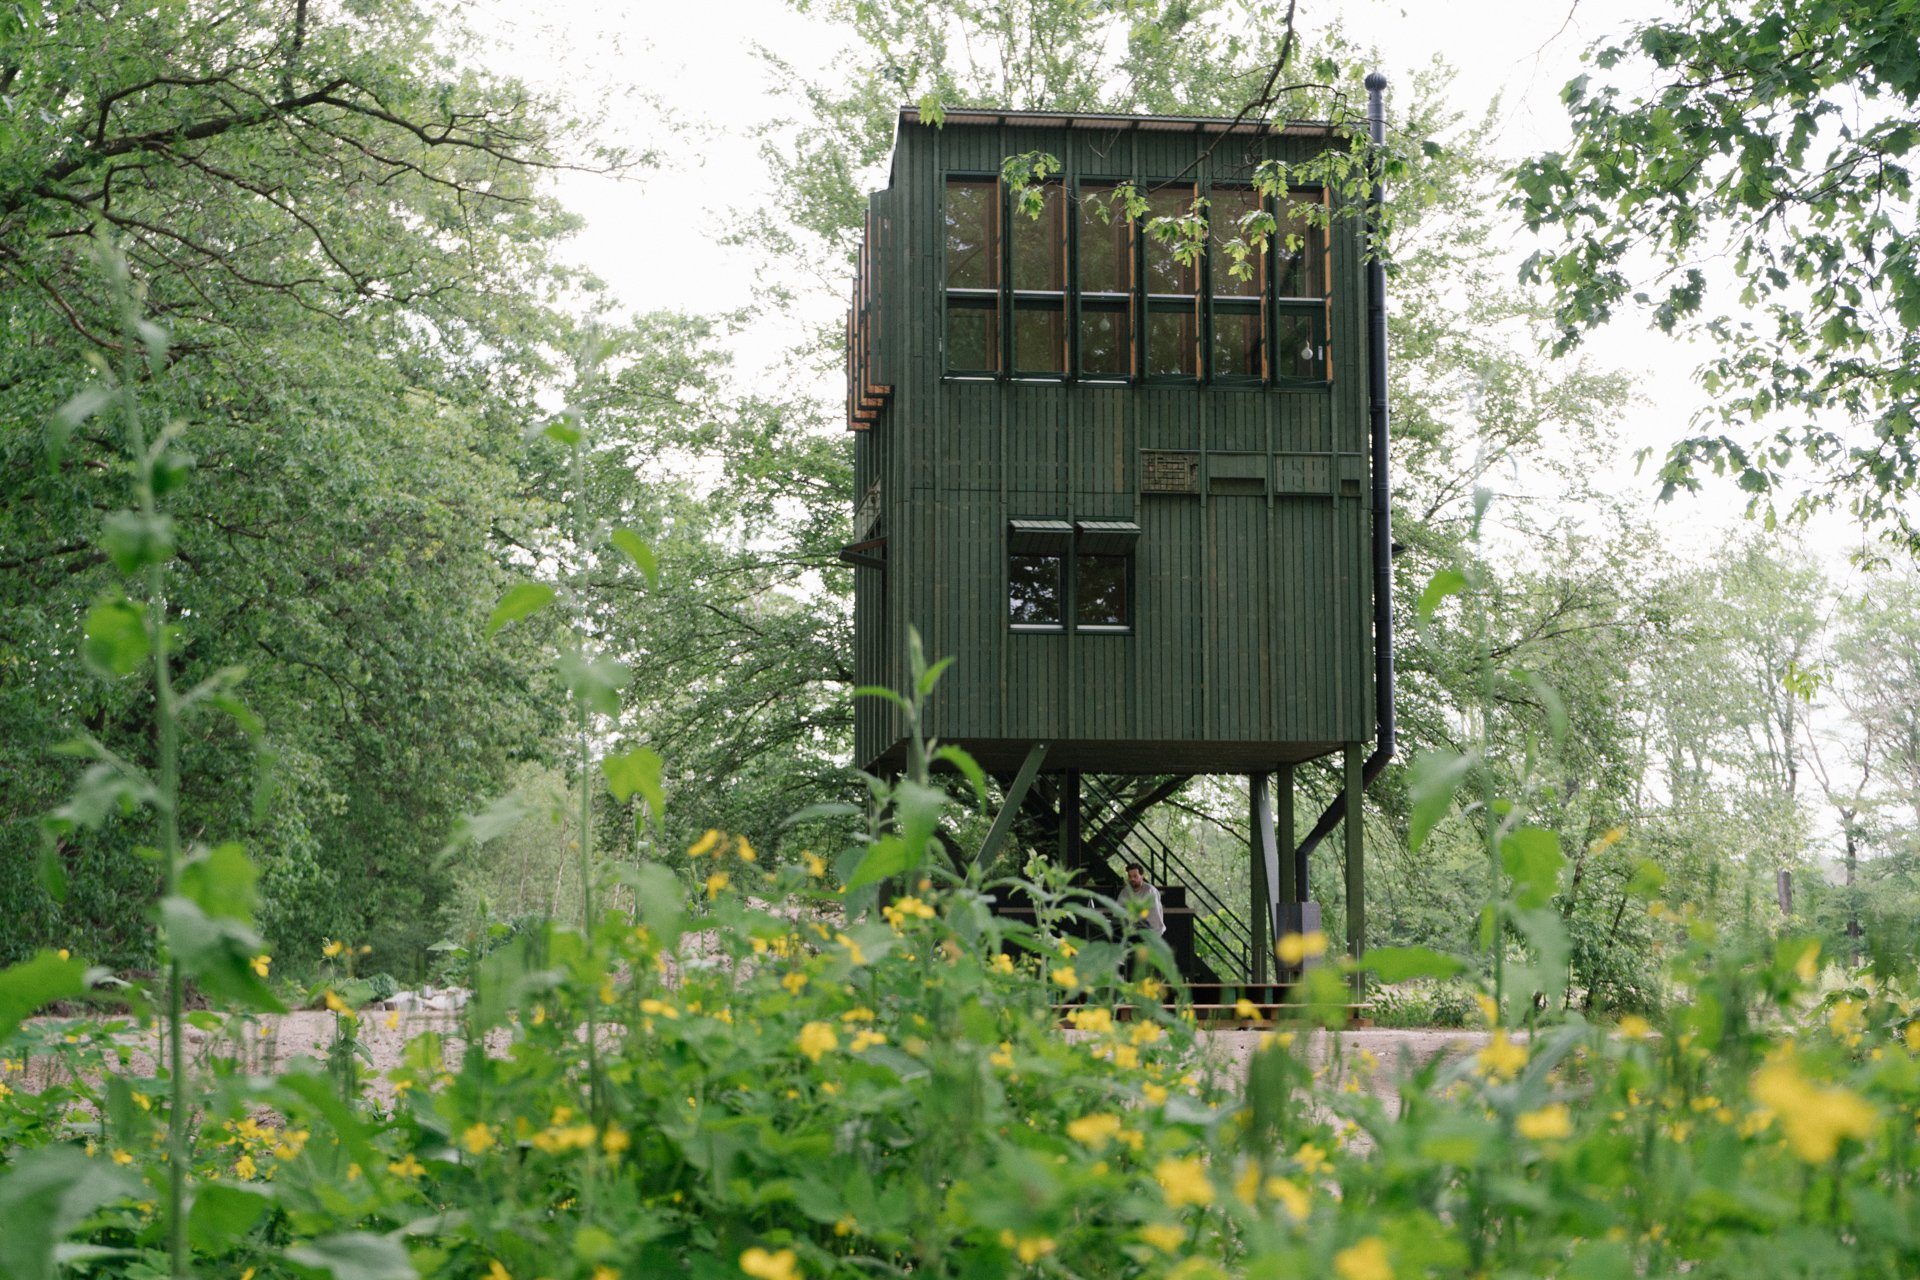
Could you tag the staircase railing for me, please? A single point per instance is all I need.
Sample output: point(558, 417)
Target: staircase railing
point(1223, 929)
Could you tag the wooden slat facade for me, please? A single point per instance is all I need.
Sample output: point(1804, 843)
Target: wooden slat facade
point(1251, 641)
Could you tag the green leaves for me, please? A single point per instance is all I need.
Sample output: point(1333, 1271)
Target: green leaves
point(596, 682)
point(135, 541)
point(1431, 782)
point(1532, 857)
point(224, 1212)
point(522, 601)
point(45, 1195)
point(355, 1255)
point(32, 984)
point(1401, 964)
point(633, 548)
point(218, 952)
point(638, 770)
point(116, 642)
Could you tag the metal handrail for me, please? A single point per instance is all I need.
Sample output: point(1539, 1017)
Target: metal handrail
point(1238, 939)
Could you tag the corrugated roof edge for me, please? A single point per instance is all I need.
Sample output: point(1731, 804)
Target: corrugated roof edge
point(1097, 120)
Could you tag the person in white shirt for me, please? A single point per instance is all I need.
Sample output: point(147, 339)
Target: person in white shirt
point(1141, 901)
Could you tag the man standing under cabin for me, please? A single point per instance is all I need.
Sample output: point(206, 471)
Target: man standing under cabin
point(1140, 901)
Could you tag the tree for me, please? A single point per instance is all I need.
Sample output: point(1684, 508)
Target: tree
point(337, 231)
point(1758, 195)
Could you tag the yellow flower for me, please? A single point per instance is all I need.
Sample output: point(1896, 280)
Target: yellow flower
point(1002, 963)
point(1164, 1236)
point(1501, 1059)
point(1126, 1056)
point(793, 982)
point(1066, 977)
point(1183, 1182)
point(1312, 1159)
point(846, 1226)
point(1295, 948)
point(1364, 1261)
point(605, 1272)
point(1245, 1008)
point(332, 948)
point(1489, 1010)
point(1144, 1032)
point(1094, 1131)
point(1550, 1121)
point(1033, 1248)
point(244, 1167)
point(1067, 949)
point(781, 1264)
point(1003, 1056)
point(704, 844)
point(864, 1040)
point(406, 1166)
point(392, 1021)
point(745, 850)
point(1913, 1037)
point(716, 882)
point(477, 1137)
point(123, 1157)
point(1247, 1185)
point(1846, 1018)
point(658, 1009)
point(1807, 967)
point(614, 1141)
point(1814, 1118)
point(1097, 1020)
point(497, 1272)
point(816, 865)
point(1154, 1093)
point(1292, 1197)
point(335, 1003)
point(1635, 1027)
point(816, 1039)
point(260, 964)
point(853, 948)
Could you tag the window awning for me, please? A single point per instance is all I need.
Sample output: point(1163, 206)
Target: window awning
point(1106, 537)
point(1039, 537)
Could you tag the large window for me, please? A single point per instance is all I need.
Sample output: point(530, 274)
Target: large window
point(1081, 290)
point(1059, 570)
point(973, 275)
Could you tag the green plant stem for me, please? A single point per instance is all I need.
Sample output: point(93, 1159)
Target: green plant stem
point(167, 732)
point(583, 724)
point(1495, 897)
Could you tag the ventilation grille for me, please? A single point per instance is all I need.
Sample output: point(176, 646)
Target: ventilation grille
point(1169, 471)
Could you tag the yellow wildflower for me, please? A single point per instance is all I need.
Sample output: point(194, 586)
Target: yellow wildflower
point(1807, 967)
point(658, 1009)
point(794, 981)
point(1292, 1197)
point(477, 1137)
point(1066, 977)
point(1312, 1159)
point(260, 964)
point(1814, 1118)
point(743, 849)
point(1366, 1260)
point(1094, 1131)
point(1164, 1236)
point(330, 948)
point(1846, 1018)
point(605, 1272)
point(1029, 1249)
point(816, 865)
point(1145, 1032)
point(1156, 1094)
point(817, 1039)
point(846, 1226)
point(1126, 1056)
point(716, 882)
point(1295, 948)
point(123, 1157)
point(497, 1272)
point(1068, 950)
point(392, 1020)
point(244, 1167)
point(1635, 1027)
point(779, 1264)
point(406, 1166)
point(704, 845)
point(864, 1040)
point(614, 1141)
point(1502, 1058)
point(1247, 1185)
point(1091, 1019)
point(1003, 1056)
point(1549, 1122)
point(1002, 963)
point(1183, 1182)
point(1245, 1008)
point(339, 1006)
point(1913, 1037)
point(853, 948)
point(1489, 1008)
point(859, 1013)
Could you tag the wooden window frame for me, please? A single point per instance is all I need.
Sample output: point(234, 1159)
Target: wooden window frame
point(991, 299)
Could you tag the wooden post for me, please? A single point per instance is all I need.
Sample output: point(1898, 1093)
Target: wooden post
point(1010, 807)
point(1070, 851)
point(1356, 868)
point(1293, 887)
point(1264, 856)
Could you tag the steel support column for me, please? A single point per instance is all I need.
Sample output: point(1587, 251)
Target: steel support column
point(1355, 826)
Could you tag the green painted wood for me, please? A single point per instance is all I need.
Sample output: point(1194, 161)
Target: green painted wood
point(1356, 867)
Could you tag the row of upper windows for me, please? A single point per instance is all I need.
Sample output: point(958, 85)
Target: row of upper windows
point(1084, 291)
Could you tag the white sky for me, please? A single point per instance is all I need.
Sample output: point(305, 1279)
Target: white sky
point(656, 241)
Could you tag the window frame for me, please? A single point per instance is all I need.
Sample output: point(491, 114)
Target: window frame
point(1043, 537)
point(991, 299)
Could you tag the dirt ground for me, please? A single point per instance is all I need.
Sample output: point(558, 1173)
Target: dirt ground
point(274, 1042)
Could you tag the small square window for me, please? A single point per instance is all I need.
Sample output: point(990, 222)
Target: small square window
point(1036, 590)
